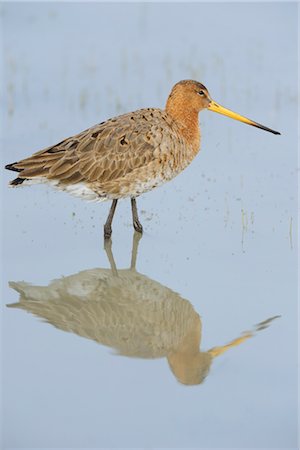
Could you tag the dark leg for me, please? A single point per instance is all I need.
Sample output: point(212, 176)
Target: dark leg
point(107, 226)
point(136, 223)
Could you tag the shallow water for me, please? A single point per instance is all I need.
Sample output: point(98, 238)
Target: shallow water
point(195, 344)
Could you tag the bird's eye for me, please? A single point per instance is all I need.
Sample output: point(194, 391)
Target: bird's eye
point(201, 93)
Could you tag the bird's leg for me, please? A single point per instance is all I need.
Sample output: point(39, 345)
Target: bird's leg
point(135, 218)
point(107, 226)
point(135, 245)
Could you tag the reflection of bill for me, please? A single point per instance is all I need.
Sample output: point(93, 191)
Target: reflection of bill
point(129, 312)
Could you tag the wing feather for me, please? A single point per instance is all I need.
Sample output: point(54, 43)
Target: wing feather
point(105, 152)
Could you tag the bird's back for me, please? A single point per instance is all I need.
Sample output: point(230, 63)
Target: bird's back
point(124, 156)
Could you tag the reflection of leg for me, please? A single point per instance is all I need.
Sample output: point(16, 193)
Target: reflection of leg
point(135, 245)
point(136, 223)
point(107, 226)
point(109, 254)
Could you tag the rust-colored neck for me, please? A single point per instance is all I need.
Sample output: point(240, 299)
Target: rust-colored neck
point(186, 116)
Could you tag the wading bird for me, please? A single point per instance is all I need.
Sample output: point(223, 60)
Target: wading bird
point(129, 154)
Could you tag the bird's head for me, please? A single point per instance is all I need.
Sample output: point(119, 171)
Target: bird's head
point(192, 95)
point(189, 94)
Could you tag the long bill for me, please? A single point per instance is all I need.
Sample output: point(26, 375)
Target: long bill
point(213, 106)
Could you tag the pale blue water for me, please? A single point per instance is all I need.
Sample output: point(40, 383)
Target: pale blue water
point(222, 235)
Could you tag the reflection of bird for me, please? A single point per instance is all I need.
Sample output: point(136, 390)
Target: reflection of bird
point(127, 155)
point(127, 311)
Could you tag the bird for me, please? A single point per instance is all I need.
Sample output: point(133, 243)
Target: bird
point(129, 312)
point(126, 155)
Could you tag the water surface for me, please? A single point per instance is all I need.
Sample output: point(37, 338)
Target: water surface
point(197, 346)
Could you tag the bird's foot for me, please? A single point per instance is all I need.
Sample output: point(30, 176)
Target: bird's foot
point(138, 226)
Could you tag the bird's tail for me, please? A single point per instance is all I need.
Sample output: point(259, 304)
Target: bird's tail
point(19, 180)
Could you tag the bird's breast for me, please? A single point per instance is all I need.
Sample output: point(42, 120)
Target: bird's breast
point(168, 162)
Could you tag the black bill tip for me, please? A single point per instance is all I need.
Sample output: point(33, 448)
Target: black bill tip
point(262, 127)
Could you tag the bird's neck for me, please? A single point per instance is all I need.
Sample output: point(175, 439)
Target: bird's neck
point(186, 117)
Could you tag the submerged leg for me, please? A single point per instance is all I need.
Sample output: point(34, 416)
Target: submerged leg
point(135, 218)
point(107, 226)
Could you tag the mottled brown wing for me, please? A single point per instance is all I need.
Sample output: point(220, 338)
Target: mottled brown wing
point(105, 152)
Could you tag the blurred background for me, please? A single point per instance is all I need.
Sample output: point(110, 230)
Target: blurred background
point(222, 234)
